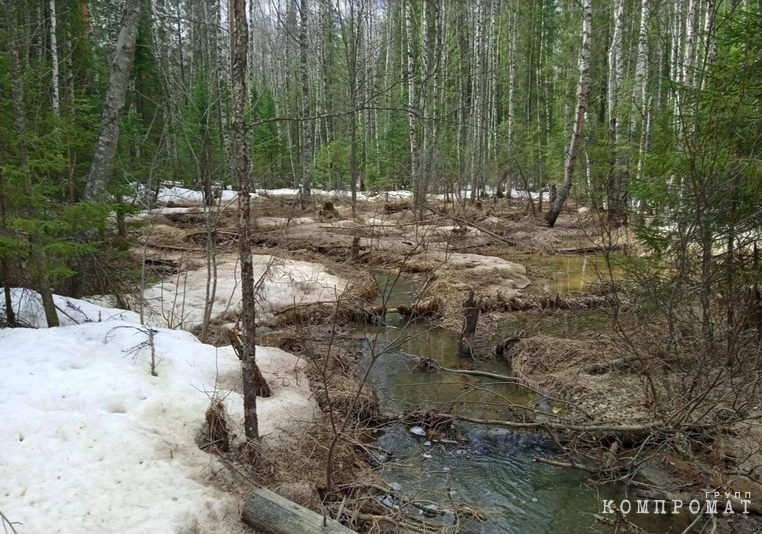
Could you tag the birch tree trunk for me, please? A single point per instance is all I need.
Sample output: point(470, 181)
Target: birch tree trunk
point(617, 187)
point(37, 260)
point(306, 122)
point(409, 20)
point(640, 84)
point(113, 110)
point(54, 57)
point(239, 37)
point(584, 80)
point(512, 87)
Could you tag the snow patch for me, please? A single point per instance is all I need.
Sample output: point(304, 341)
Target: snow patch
point(27, 306)
point(179, 301)
point(93, 443)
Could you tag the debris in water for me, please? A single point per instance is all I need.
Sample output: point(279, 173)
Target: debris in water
point(427, 443)
point(418, 431)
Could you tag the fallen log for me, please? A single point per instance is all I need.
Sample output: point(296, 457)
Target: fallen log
point(269, 513)
point(591, 249)
point(558, 302)
point(605, 430)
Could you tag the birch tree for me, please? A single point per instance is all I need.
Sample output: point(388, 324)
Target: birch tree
point(113, 109)
point(411, 112)
point(54, 58)
point(306, 123)
point(617, 187)
point(579, 122)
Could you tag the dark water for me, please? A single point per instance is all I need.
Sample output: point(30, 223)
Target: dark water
point(493, 469)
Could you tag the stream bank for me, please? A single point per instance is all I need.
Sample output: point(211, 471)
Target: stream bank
point(439, 259)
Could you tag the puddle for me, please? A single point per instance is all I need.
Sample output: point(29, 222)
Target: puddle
point(572, 273)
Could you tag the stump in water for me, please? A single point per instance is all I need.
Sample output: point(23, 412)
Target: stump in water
point(503, 349)
point(470, 319)
point(263, 390)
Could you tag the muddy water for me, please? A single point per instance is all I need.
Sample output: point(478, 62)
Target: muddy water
point(574, 273)
point(494, 468)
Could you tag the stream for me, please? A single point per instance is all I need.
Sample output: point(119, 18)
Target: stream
point(493, 469)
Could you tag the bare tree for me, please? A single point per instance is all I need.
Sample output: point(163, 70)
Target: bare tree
point(239, 37)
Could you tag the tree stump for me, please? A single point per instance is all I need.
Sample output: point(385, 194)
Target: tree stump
point(470, 319)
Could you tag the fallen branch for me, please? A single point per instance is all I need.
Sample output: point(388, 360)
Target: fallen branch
point(591, 249)
point(565, 465)
point(474, 226)
point(605, 429)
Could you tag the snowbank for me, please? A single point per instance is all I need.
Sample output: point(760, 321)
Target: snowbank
point(179, 301)
point(180, 196)
point(92, 443)
point(27, 306)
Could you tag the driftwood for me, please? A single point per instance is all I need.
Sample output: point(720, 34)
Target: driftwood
point(263, 389)
point(269, 513)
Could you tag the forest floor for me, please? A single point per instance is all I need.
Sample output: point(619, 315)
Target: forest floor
point(320, 270)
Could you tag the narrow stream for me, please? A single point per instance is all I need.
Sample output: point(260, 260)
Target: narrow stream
point(493, 469)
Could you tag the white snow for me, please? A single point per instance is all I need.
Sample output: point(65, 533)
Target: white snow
point(92, 443)
point(179, 301)
point(227, 195)
point(180, 196)
point(27, 306)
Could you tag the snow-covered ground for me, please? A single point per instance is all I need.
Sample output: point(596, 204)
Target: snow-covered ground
point(92, 443)
point(179, 301)
point(27, 306)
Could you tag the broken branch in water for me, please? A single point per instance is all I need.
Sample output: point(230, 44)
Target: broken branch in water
point(591, 249)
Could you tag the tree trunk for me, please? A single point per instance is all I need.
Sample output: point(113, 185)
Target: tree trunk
point(640, 85)
point(10, 317)
point(409, 21)
point(113, 110)
point(239, 47)
point(306, 122)
point(617, 188)
point(584, 80)
point(37, 260)
point(54, 57)
point(468, 330)
point(512, 88)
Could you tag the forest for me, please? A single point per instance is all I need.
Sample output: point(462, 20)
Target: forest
point(413, 265)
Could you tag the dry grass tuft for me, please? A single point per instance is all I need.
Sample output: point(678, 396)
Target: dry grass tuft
point(217, 426)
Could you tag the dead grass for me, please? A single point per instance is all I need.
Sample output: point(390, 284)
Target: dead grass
point(217, 426)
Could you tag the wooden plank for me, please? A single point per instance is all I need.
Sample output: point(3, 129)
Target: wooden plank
point(270, 513)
